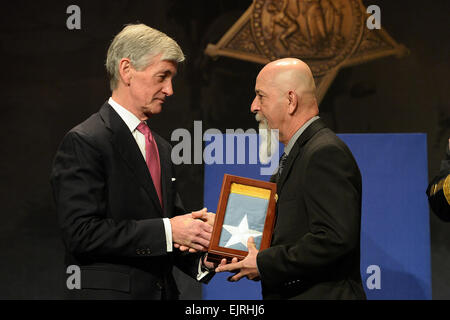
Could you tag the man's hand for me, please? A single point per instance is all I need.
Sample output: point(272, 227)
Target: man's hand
point(203, 215)
point(188, 232)
point(208, 264)
point(245, 268)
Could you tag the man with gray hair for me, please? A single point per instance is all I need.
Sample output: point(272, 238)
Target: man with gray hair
point(114, 184)
point(315, 249)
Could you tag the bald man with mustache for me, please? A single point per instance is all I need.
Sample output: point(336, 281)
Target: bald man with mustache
point(315, 249)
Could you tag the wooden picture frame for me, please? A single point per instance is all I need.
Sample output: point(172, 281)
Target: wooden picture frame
point(254, 195)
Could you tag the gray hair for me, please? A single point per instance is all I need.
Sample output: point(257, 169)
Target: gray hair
point(140, 44)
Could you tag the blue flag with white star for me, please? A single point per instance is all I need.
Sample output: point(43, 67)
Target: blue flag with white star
point(244, 217)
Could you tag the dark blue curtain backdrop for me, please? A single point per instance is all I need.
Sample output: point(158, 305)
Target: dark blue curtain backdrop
point(395, 235)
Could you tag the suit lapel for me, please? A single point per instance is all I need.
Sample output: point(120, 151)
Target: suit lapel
point(123, 141)
point(164, 161)
point(296, 150)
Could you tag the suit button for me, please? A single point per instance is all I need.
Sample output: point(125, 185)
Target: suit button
point(159, 285)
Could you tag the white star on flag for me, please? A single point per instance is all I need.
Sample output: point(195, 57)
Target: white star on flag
point(240, 233)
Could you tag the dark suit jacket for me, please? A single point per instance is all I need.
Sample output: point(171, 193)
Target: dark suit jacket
point(315, 250)
point(110, 215)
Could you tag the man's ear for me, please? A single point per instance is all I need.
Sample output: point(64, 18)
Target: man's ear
point(125, 69)
point(293, 102)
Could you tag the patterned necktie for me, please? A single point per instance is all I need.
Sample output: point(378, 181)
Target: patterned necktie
point(152, 158)
point(281, 166)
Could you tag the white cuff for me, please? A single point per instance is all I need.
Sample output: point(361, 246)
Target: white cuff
point(168, 229)
point(201, 274)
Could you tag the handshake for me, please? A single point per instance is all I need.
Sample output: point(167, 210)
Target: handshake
point(192, 231)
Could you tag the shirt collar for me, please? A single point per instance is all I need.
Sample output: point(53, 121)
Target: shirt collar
point(129, 118)
point(297, 134)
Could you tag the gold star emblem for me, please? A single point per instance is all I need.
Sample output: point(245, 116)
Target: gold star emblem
point(326, 34)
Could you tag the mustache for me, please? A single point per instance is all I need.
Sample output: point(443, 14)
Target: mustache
point(265, 148)
point(260, 118)
point(263, 123)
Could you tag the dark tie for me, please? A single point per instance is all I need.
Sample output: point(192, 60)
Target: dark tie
point(281, 166)
point(152, 158)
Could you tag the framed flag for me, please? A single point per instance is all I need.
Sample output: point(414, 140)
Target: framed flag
point(246, 209)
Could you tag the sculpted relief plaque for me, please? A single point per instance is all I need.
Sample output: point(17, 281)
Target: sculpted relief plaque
point(326, 34)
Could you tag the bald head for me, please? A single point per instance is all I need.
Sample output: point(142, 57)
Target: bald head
point(290, 74)
point(285, 96)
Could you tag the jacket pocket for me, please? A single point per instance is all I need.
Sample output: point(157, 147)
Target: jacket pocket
point(100, 278)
